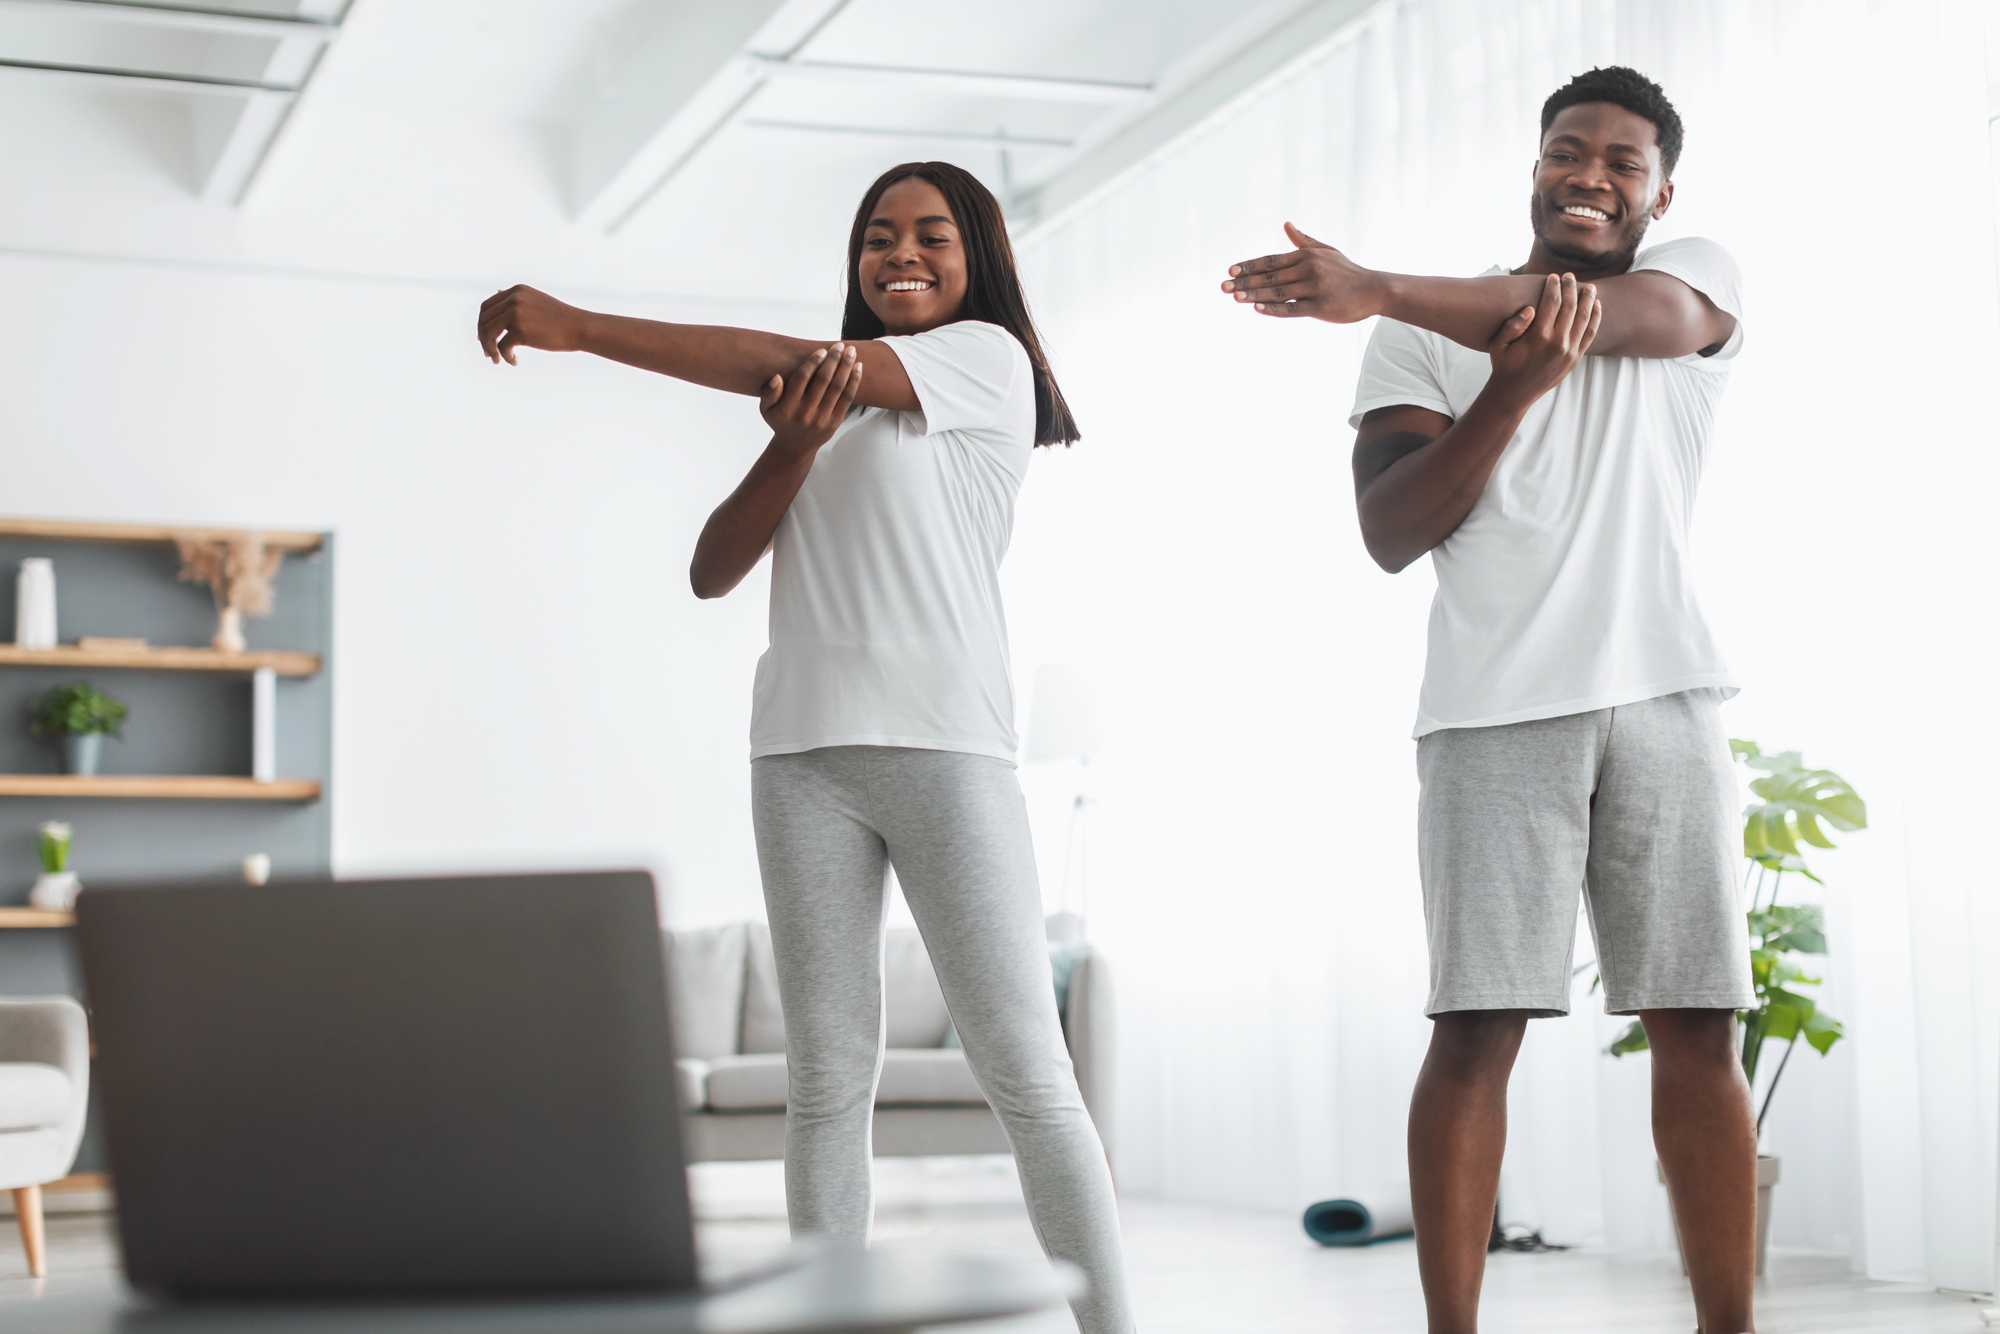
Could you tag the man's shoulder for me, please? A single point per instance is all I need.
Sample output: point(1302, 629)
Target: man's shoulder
point(1695, 252)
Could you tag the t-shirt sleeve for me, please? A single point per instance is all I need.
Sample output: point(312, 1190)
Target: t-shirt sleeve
point(1398, 369)
point(1710, 270)
point(964, 373)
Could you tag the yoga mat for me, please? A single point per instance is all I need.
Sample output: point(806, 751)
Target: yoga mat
point(1359, 1222)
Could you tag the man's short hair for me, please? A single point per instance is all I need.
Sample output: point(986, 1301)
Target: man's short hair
point(1627, 88)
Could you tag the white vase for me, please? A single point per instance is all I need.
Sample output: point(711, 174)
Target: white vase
point(55, 889)
point(35, 604)
point(229, 631)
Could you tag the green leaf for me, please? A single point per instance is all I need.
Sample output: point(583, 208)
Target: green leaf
point(1633, 1039)
point(1797, 802)
point(1781, 1022)
point(1822, 1031)
point(74, 709)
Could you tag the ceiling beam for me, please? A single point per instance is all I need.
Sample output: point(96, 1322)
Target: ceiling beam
point(184, 17)
point(997, 140)
point(232, 143)
point(673, 92)
point(1126, 144)
point(1012, 87)
point(186, 83)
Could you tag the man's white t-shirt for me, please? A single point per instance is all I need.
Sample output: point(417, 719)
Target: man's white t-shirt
point(886, 623)
point(1566, 588)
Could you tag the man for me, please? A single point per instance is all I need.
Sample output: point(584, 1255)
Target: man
point(1540, 432)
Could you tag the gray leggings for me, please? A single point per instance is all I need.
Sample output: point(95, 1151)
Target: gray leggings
point(829, 823)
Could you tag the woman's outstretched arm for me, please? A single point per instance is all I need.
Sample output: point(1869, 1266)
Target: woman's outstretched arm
point(803, 413)
point(737, 361)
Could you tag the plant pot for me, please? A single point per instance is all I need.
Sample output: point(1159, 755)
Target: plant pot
point(82, 751)
point(55, 889)
point(1767, 1177)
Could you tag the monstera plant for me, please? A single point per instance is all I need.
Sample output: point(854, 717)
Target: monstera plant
point(1797, 807)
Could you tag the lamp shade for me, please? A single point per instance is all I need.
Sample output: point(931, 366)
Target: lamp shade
point(1063, 725)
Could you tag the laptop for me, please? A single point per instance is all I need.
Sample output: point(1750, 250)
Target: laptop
point(434, 1085)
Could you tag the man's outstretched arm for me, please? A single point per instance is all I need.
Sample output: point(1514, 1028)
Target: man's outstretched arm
point(1418, 473)
point(1646, 314)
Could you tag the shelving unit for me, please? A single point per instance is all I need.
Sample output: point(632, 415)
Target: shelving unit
point(35, 918)
point(68, 530)
point(174, 787)
point(162, 658)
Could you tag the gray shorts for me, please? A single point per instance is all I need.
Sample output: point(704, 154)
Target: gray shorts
point(1635, 805)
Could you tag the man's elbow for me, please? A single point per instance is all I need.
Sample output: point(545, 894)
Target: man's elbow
point(1385, 550)
point(706, 584)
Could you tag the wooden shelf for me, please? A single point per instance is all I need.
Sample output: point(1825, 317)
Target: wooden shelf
point(36, 917)
point(163, 658)
point(64, 530)
point(209, 787)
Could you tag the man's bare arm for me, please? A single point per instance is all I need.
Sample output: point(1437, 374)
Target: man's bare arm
point(1418, 473)
point(1646, 314)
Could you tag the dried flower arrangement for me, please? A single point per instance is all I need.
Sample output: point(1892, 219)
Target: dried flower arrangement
point(239, 573)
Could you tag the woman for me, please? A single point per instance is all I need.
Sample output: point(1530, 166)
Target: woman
point(882, 725)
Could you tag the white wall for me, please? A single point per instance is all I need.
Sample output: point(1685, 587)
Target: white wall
point(522, 677)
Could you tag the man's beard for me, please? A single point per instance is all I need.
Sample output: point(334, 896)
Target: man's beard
point(1619, 258)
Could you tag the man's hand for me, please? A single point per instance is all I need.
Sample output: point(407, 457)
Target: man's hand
point(1537, 347)
point(1314, 280)
point(523, 317)
point(804, 412)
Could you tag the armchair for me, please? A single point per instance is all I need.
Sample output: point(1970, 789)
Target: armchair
point(44, 1090)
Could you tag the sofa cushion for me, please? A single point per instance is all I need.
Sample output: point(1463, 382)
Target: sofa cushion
point(32, 1095)
point(691, 1082)
point(917, 1016)
point(705, 970)
point(927, 1075)
point(763, 1018)
point(747, 1083)
point(923, 1077)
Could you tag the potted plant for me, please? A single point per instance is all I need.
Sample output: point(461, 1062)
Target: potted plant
point(1796, 802)
point(57, 885)
point(82, 717)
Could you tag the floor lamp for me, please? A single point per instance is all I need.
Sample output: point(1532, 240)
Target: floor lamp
point(1064, 727)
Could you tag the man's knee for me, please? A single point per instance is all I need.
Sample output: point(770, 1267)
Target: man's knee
point(1691, 1039)
point(1473, 1042)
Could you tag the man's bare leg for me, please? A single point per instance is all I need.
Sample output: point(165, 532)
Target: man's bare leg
point(1458, 1133)
point(1707, 1141)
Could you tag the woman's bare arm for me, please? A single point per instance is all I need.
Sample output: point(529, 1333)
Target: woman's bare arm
point(737, 361)
point(803, 413)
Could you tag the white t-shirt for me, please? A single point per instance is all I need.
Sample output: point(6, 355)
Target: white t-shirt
point(886, 623)
point(1566, 589)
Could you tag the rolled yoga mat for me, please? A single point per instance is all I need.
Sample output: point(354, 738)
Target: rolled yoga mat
point(1359, 1222)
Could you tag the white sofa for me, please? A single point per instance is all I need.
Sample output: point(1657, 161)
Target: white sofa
point(730, 1043)
point(44, 1091)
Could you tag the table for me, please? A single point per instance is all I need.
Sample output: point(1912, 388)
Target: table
point(832, 1289)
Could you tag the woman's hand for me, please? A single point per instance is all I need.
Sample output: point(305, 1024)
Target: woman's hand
point(1536, 348)
point(523, 317)
point(804, 412)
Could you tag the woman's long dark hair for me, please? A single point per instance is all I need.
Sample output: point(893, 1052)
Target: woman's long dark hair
point(992, 285)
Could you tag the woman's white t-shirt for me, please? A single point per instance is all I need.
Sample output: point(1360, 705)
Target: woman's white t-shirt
point(1567, 589)
point(886, 623)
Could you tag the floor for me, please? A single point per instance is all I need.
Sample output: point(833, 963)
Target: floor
point(1200, 1268)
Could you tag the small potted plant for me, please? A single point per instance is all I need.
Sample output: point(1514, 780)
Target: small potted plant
point(82, 717)
point(1796, 802)
point(57, 885)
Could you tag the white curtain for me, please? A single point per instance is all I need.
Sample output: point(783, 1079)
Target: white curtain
point(1251, 863)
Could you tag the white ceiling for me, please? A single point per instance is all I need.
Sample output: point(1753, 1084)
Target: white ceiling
point(699, 147)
